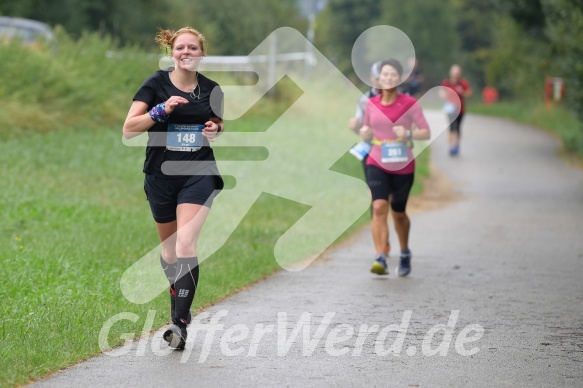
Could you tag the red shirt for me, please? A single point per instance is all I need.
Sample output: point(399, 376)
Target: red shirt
point(460, 87)
point(403, 111)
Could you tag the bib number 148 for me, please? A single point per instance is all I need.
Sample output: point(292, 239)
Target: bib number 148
point(186, 137)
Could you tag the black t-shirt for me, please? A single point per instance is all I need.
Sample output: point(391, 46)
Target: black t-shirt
point(157, 89)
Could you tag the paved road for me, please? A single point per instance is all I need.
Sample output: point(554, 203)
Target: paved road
point(502, 266)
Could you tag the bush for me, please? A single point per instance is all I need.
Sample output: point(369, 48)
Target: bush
point(86, 83)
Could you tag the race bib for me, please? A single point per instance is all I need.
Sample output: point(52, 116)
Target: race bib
point(449, 108)
point(361, 150)
point(395, 152)
point(184, 137)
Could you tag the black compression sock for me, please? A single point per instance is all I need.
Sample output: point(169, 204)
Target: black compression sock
point(169, 270)
point(185, 285)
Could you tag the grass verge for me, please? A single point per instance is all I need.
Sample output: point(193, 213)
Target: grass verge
point(556, 120)
point(74, 218)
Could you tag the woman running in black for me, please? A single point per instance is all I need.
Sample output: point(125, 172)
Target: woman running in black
point(182, 111)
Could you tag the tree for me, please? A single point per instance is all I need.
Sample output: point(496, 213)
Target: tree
point(476, 23)
point(564, 29)
point(431, 26)
point(338, 27)
point(236, 28)
point(233, 28)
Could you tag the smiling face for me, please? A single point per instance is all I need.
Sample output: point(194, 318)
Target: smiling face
point(187, 52)
point(389, 77)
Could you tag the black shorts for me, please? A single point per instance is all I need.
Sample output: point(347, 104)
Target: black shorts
point(383, 184)
point(165, 194)
point(456, 125)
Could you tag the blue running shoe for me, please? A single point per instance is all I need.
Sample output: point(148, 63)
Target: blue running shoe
point(380, 265)
point(404, 267)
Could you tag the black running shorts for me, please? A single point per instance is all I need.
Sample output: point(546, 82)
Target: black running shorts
point(165, 194)
point(456, 125)
point(383, 184)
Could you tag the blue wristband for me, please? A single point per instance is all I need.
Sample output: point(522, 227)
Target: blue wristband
point(158, 113)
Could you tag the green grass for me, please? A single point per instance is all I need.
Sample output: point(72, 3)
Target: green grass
point(554, 119)
point(74, 214)
point(74, 218)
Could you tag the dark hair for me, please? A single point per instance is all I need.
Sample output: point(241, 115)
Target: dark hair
point(395, 64)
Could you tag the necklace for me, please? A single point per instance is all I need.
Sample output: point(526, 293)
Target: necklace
point(195, 96)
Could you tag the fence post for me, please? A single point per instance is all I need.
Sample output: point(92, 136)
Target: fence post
point(309, 45)
point(271, 63)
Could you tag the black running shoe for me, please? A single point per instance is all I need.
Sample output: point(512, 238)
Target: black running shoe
point(176, 335)
point(404, 267)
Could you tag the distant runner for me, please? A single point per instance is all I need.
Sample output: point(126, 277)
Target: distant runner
point(456, 110)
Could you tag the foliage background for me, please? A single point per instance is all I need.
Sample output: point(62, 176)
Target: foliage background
point(512, 45)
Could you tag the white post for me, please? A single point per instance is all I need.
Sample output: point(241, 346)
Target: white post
point(271, 62)
point(309, 43)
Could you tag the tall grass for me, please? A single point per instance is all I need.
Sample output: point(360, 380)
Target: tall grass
point(76, 85)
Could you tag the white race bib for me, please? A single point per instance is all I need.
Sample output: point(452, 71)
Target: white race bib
point(184, 137)
point(395, 152)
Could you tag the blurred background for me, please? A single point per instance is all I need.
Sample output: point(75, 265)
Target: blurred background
point(510, 45)
point(72, 206)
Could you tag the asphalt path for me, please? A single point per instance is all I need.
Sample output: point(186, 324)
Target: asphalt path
point(495, 297)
